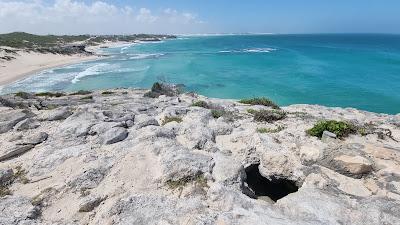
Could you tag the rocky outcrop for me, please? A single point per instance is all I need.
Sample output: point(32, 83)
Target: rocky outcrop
point(134, 158)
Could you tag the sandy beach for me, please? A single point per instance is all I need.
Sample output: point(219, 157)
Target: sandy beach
point(26, 64)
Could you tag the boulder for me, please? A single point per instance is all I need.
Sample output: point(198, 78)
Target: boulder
point(18, 210)
point(144, 120)
point(54, 115)
point(27, 124)
point(34, 139)
point(6, 176)
point(327, 136)
point(114, 135)
point(9, 118)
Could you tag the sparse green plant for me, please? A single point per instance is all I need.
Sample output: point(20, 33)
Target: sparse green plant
point(4, 191)
point(340, 128)
point(81, 92)
point(260, 101)
point(201, 104)
point(107, 93)
point(20, 175)
point(217, 113)
point(50, 94)
point(269, 115)
point(252, 111)
point(24, 95)
point(169, 119)
point(198, 180)
point(87, 97)
point(270, 130)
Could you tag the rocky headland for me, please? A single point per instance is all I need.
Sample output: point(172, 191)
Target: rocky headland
point(130, 156)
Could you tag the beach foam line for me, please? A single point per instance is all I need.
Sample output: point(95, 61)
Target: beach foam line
point(93, 70)
point(250, 50)
point(145, 56)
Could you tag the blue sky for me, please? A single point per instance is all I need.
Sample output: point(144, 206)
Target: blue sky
point(201, 16)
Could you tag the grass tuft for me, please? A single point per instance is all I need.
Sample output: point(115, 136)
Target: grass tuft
point(260, 101)
point(270, 130)
point(107, 93)
point(24, 95)
point(50, 94)
point(201, 104)
point(269, 115)
point(169, 119)
point(81, 92)
point(87, 97)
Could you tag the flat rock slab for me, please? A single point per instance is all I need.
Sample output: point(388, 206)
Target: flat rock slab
point(8, 119)
point(356, 165)
point(13, 151)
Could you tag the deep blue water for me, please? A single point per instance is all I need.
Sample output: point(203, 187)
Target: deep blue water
point(347, 70)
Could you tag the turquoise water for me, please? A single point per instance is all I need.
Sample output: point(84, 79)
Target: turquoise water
point(361, 71)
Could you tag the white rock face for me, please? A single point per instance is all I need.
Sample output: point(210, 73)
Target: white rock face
point(112, 160)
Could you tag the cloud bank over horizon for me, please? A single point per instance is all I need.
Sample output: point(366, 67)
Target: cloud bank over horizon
point(97, 17)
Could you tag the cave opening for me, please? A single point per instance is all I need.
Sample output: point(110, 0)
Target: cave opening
point(275, 188)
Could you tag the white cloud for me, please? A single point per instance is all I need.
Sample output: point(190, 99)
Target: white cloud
point(98, 17)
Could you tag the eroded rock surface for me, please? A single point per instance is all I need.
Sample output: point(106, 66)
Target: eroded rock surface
point(124, 158)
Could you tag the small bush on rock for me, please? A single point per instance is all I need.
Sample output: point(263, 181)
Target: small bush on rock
point(81, 92)
point(217, 113)
point(50, 94)
point(23, 95)
point(163, 89)
point(270, 130)
point(171, 119)
point(87, 97)
point(201, 104)
point(269, 115)
point(107, 93)
point(260, 101)
point(340, 128)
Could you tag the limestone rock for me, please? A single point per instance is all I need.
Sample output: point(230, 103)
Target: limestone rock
point(26, 124)
point(114, 135)
point(14, 150)
point(355, 165)
point(144, 120)
point(6, 176)
point(54, 115)
point(18, 210)
point(89, 203)
point(9, 118)
point(35, 139)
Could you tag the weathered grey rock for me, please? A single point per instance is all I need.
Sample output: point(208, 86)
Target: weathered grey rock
point(14, 150)
point(79, 123)
point(9, 118)
point(54, 115)
point(89, 203)
point(26, 124)
point(114, 135)
point(327, 136)
point(143, 120)
point(181, 165)
point(18, 210)
point(355, 165)
point(89, 179)
point(35, 139)
point(6, 176)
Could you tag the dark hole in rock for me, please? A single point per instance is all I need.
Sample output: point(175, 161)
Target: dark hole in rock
point(274, 188)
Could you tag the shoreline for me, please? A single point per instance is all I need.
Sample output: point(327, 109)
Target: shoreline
point(26, 64)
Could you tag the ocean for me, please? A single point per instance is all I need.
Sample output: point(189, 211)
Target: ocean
point(345, 70)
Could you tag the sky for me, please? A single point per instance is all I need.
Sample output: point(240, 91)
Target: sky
point(199, 16)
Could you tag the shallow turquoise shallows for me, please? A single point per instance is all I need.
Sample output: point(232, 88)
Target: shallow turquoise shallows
point(346, 70)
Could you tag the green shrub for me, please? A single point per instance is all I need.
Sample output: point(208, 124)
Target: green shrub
point(260, 101)
point(4, 191)
point(269, 115)
point(23, 95)
point(270, 130)
point(217, 113)
point(81, 92)
point(107, 93)
point(87, 97)
point(199, 180)
point(252, 111)
point(340, 128)
point(169, 119)
point(50, 94)
point(202, 104)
